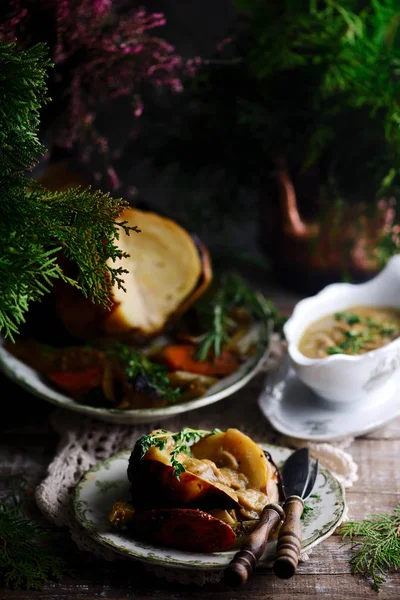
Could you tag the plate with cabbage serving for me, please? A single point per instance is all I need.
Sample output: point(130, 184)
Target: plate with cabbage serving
point(188, 500)
point(176, 338)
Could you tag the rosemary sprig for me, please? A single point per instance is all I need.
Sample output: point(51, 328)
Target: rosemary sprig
point(377, 549)
point(218, 332)
point(232, 293)
point(135, 363)
point(182, 441)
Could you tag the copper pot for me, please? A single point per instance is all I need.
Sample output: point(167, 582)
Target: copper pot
point(328, 245)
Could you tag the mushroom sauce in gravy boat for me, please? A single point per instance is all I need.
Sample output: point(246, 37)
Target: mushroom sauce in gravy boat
point(344, 342)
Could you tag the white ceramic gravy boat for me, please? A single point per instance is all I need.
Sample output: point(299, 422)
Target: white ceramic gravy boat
point(341, 377)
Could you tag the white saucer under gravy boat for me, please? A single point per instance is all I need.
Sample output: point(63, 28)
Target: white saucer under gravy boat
point(341, 378)
point(295, 410)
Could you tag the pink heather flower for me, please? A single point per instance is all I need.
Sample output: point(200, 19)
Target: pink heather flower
point(121, 52)
point(138, 109)
point(382, 204)
point(18, 18)
point(223, 43)
point(113, 182)
point(101, 7)
point(84, 156)
point(88, 119)
point(390, 217)
point(131, 192)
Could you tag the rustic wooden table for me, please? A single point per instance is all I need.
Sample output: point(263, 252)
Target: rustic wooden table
point(27, 444)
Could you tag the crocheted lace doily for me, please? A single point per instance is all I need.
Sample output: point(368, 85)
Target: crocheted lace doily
point(84, 442)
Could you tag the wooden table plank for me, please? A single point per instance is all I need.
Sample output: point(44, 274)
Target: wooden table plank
point(378, 465)
point(391, 431)
point(27, 444)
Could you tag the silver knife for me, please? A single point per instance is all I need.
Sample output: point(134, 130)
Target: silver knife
point(299, 476)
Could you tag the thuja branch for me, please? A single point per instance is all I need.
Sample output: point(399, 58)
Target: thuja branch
point(26, 557)
point(22, 93)
point(376, 545)
point(38, 227)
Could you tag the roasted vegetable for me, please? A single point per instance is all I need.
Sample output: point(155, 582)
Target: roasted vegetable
point(167, 270)
point(77, 383)
point(182, 357)
point(121, 513)
point(196, 490)
point(234, 449)
point(186, 529)
point(191, 385)
point(122, 517)
point(224, 470)
point(155, 485)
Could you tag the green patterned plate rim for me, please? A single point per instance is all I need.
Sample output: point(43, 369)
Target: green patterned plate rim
point(107, 482)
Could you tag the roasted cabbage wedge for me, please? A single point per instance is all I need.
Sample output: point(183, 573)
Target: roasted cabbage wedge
point(216, 500)
point(223, 470)
point(166, 271)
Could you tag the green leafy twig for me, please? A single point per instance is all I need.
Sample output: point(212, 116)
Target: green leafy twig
point(136, 363)
point(376, 542)
point(233, 292)
point(37, 225)
point(26, 560)
point(182, 441)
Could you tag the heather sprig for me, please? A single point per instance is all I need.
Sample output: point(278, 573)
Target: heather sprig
point(102, 50)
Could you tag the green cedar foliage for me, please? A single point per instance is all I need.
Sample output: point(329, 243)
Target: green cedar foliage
point(38, 226)
point(25, 560)
point(376, 546)
point(327, 80)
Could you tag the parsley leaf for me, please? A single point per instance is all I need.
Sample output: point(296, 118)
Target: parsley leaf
point(182, 440)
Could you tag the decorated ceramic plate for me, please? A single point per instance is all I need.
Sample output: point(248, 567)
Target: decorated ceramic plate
point(32, 381)
point(107, 482)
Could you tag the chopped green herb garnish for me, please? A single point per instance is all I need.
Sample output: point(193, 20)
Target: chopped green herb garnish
point(350, 318)
point(351, 334)
point(371, 323)
point(182, 442)
point(335, 350)
point(318, 496)
point(356, 338)
point(306, 510)
point(135, 363)
point(387, 330)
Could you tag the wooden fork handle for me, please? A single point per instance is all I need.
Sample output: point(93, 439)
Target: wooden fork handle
point(289, 539)
point(242, 564)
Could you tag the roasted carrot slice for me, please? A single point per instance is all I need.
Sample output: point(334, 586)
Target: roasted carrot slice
point(192, 530)
point(77, 383)
point(183, 358)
